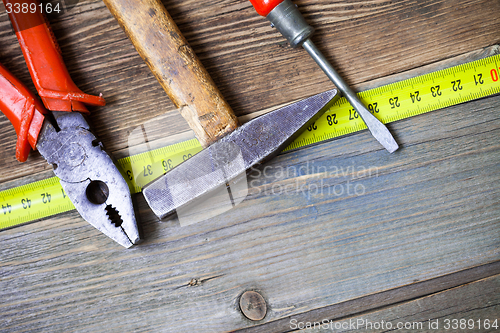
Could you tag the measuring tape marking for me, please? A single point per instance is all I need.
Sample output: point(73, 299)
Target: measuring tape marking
point(47, 192)
point(389, 103)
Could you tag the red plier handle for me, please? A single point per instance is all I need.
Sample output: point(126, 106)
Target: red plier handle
point(48, 72)
point(24, 111)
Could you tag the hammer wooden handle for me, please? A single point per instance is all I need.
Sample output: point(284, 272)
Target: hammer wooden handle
point(174, 63)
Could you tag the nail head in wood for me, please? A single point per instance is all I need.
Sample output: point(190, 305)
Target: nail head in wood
point(253, 305)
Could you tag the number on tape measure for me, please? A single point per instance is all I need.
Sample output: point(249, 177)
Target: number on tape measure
point(33, 201)
point(408, 98)
point(388, 103)
point(143, 168)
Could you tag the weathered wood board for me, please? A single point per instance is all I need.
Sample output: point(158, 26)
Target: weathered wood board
point(249, 61)
point(406, 301)
point(473, 307)
point(346, 220)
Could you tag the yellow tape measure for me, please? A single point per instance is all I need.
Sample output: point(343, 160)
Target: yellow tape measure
point(409, 98)
point(388, 103)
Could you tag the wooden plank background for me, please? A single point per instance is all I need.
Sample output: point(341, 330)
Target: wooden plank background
point(427, 211)
point(437, 312)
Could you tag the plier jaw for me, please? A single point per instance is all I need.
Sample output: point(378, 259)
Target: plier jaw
point(89, 177)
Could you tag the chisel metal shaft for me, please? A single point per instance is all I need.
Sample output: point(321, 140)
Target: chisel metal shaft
point(285, 17)
point(378, 130)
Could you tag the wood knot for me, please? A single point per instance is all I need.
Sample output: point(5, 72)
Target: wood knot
point(194, 283)
point(253, 305)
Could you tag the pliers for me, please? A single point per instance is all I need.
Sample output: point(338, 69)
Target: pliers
point(86, 172)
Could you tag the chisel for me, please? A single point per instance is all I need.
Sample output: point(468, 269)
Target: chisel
point(287, 19)
point(231, 150)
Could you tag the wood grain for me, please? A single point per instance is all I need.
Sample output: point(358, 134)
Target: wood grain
point(466, 307)
point(429, 210)
point(409, 297)
point(249, 61)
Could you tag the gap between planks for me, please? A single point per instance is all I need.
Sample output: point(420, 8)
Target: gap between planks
point(364, 306)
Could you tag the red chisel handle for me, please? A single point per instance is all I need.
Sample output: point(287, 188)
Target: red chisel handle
point(44, 60)
point(263, 7)
point(286, 18)
point(24, 111)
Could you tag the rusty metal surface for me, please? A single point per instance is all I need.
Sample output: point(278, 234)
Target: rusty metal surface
point(89, 177)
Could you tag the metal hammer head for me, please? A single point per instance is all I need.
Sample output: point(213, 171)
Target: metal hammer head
point(230, 157)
